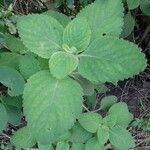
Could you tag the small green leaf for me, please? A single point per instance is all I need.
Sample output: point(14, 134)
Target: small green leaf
point(3, 117)
point(79, 134)
point(107, 102)
point(103, 134)
point(62, 64)
point(132, 4)
point(61, 18)
point(103, 17)
point(123, 115)
point(41, 34)
point(129, 23)
point(23, 138)
point(115, 59)
point(45, 113)
point(93, 144)
point(110, 120)
point(121, 139)
point(90, 121)
point(88, 87)
point(78, 146)
point(145, 7)
point(13, 80)
point(28, 66)
point(62, 146)
point(45, 147)
point(77, 34)
point(9, 60)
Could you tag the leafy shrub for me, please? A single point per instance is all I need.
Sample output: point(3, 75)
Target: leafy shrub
point(63, 60)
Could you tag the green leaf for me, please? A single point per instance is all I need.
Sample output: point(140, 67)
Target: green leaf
point(62, 64)
point(88, 87)
point(28, 66)
point(45, 147)
point(145, 7)
point(115, 59)
point(77, 34)
point(23, 138)
point(78, 146)
point(41, 34)
point(103, 17)
point(103, 134)
point(110, 120)
point(61, 18)
point(14, 44)
point(121, 139)
point(90, 121)
point(123, 115)
point(45, 113)
point(62, 146)
point(93, 144)
point(13, 80)
point(107, 102)
point(3, 117)
point(9, 60)
point(132, 4)
point(14, 115)
point(79, 134)
point(129, 23)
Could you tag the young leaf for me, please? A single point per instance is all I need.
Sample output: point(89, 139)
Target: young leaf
point(62, 64)
point(115, 59)
point(110, 120)
point(62, 146)
point(88, 87)
point(78, 146)
point(45, 113)
point(122, 113)
point(28, 66)
point(103, 17)
point(77, 34)
point(13, 80)
point(79, 134)
point(61, 18)
point(103, 134)
point(145, 7)
point(121, 139)
point(129, 23)
point(3, 117)
point(23, 138)
point(41, 34)
point(93, 144)
point(90, 121)
point(132, 4)
point(10, 60)
point(108, 101)
point(45, 147)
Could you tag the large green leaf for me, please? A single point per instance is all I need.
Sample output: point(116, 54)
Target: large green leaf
point(90, 121)
point(93, 144)
point(62, 64)
point(77, 34)
point(13, 80)
point(104, 17)
point(3, 117)
point(41, 34)
point(63, 19)
point(9, 60)
point(29, 65)
point(79, 134)
point(132, 4)
point(109, 59)
point(121, 139)
point(23, 138)
point(122, 113)
point(59, 103)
